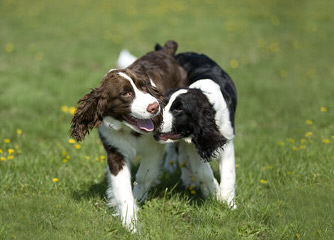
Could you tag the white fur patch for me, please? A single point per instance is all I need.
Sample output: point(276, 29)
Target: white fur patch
point(152, 83)
point(125, 59)
point(167, 122)
point(141, 101)
point(112, 123)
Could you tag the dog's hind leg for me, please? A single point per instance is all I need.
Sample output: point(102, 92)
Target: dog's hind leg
point(227, 175)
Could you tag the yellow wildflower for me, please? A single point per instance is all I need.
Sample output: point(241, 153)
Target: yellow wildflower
point(281, 143)
point(282, 73)
point(39, 56)
point(102, 157)
point(55, 180)
point(308, 122)
point(77, 146)
point(326, 140)
point(274, 20)
point(267, 167)
point(234, 63)
point(333, 137)
point(274, 47)
point(9, 47)
point(6, 140)
point(263, 181)
point(10, 157)
point(191, 187)
point(323, 109)
point(67, 157)
point(303, 140)
point(3, 159)
point(192, 192)
point(0, 150)
point(96, 159)
point(183, 164)
point(64, 109)
point(87, 157)
point(236, 165)
point(308, 134)
point(65, 160)
point(19, 131)
point(290, 140)
point(64, 152)
point(72, 110)
point(289, 173)
point(171, 162)
point(297, 235)
point(294, 148)
point(71, 141)
point(302, 146)
point(11, 151)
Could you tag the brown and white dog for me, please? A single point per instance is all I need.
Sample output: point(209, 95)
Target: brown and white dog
point(127, 108)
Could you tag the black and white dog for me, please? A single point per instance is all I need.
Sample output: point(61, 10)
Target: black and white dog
point(203, 116)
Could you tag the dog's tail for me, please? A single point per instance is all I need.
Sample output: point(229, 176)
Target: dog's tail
point(125, 59)
point(170, 47)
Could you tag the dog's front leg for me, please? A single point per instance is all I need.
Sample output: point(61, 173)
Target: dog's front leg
point(227, 175)
point(148, 173)
point(120, 195)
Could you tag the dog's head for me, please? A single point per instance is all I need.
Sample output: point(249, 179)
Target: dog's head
point(122, 95)
point(189, 114)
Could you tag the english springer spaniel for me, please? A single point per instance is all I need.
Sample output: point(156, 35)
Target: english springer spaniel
point(203, 116)
point(126, 107)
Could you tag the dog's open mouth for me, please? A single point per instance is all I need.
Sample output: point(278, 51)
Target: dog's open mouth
point(167, 136)
point(145, 125)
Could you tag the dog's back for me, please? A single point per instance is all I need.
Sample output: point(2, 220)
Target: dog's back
point(199, 66)
point(162, 68)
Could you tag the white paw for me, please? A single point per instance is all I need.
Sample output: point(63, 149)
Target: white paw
point(128, 217)
point(227, 197)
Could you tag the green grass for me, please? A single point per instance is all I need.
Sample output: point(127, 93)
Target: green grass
point(279, 54)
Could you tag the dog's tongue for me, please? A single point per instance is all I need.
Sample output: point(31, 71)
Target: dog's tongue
point(145, 124)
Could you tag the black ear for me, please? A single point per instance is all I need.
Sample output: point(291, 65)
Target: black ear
point(206, 136)
point(157, 47)
point(87, 115)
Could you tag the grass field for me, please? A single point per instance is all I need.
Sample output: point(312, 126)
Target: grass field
point(280, 55)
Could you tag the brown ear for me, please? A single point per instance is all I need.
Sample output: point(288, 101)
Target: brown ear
point(87, 115)
point(170, 47)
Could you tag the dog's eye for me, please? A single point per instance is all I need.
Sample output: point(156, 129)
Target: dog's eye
point(126, 94)
point(177, 110)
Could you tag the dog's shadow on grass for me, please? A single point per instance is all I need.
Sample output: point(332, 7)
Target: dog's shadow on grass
point(170, 185)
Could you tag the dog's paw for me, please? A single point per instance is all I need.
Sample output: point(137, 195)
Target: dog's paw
point(228, 198)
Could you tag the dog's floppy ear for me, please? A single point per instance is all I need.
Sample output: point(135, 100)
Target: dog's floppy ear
point(206, 136)
point(170, 47)
point(88, 114)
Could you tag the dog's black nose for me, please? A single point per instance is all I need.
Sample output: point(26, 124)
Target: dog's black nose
point(153, 108)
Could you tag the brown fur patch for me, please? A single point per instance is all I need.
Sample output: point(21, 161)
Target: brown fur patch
point(115, 159)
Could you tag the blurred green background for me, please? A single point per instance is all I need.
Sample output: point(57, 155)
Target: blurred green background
point(280, 55)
